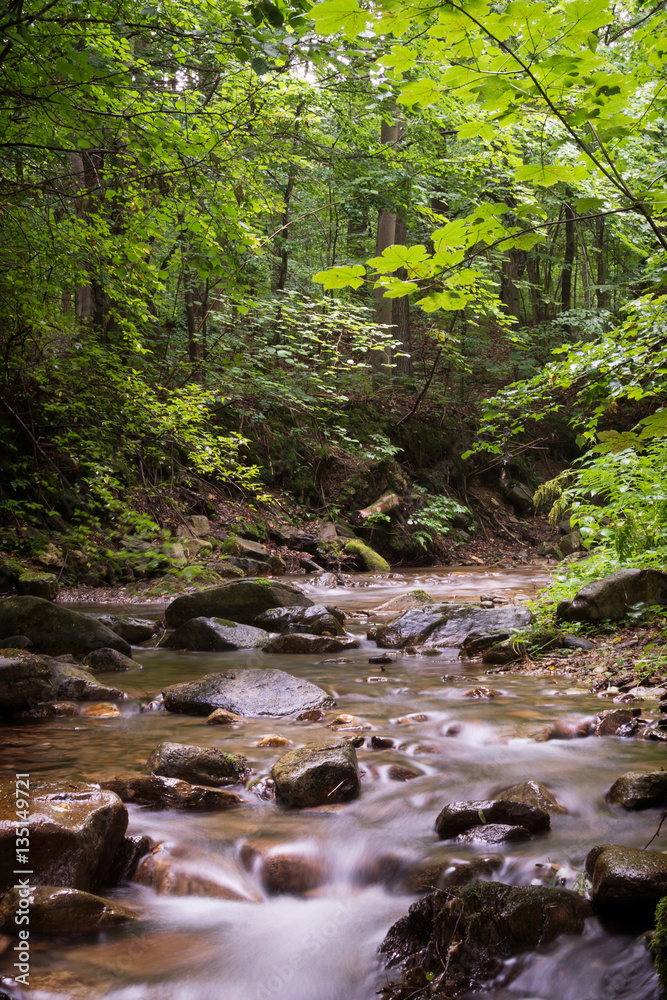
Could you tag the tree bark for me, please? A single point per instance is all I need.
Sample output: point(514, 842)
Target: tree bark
point(381, 359)
point(400, 313)
point(568, 259)
point(603, 294)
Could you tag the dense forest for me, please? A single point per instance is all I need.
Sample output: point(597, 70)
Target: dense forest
point(293, 257)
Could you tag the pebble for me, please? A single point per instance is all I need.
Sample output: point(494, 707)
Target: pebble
point(273, 740)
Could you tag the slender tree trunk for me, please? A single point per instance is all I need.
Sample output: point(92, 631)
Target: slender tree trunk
point(568, 259)
point(381, 359)
point(280, 271)
point(603, 294)
point(513, 268)
point(401, 313)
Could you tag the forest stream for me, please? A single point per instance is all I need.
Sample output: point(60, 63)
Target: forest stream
point(322, 944)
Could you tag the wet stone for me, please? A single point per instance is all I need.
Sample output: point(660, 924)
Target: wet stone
point(482, 693)
point(299, 642)
point(197, 765)
point(58, 910)
point(212, 635)
point(132, 630)
point(221, 717)
point(315, 620)
point(616, 722)
point(248, 692)
point(628, 882)
point(317, 774)
point(457, 817)
point(611, 597)
point(398, 772)
point(532, 793)
point(157, 792)
point(106, 659)
point(493, 833)
point(639, 790)
point(53, 629)
point(238, 600)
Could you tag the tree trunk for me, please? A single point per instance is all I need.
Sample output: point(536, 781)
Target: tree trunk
point(400, 312)
point(603, 294)
point(568, 259)
point(280, 271)
point(386, 236)
point(513, 268)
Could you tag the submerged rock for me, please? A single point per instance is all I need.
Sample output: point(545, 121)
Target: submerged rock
point(157, 792)
point(297, 642)
point(215, 635)
point(283, 868)
point(628, 882)
point(75, 831)
point(317, 774)
point(198, 765)
point(58, 910)
point(405, 602)
point(457, 817)
point(248, 692)
point(239, 600)
point(610, 599)
point(314, 620)
point(477, 928)
point(639, 790)
point(448, 624)
point(54, 630)
point(170, 876)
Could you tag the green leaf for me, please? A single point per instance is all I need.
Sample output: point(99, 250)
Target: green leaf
point(332, 16)
point(395, 257)
point(341, 277)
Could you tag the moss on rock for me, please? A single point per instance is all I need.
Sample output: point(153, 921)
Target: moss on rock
point(373, 562)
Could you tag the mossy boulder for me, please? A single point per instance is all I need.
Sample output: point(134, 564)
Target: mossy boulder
point(317, 774)
point(628, 882)
point(239, 600)
point(639, 790)
point(373, 562)
point(215, 635)
point(34, 583)
point(610, 599)
point(478, 927)
point(198, 765)
point(55, 630)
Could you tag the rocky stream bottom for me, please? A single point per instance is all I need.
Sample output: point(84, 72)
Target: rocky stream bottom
point(424, 871)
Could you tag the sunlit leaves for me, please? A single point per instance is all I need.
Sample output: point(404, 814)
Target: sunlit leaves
point(341, 277)
point(332, 16)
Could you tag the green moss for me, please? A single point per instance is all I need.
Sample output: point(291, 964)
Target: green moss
point(225, 622)
point(659, 945)
point(373, 562)
point(262, 581)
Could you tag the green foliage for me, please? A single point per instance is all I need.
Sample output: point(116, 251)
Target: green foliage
point(434, 517)
point(659, 944)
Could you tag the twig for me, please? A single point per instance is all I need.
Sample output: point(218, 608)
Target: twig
point(424, 390)
point(657, 832)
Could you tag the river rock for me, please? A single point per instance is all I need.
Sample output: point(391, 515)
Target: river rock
point(616, 722)
point(132, 630)
point(447, 873)
point(477, 928)
point(448, 624)
point(75, 831)
point(457, 817)
point(505, 651)
point(223, 718)
point(405, 602)
point(283, 869)
point(215, 635)
point(49, 710)
point(248, 692)
point(299, 642)
point(628, 882)
point(54, 630)
point(32, 583)
point(106, 659)
point(314, 620)
point(317, 774)
point(239, 600)
point(532, 793)
point(198, 765)
point(127, 858)
point(639, 790)
point(493, 833)
point(24, 680)
point(170, 876)
point(157, 792)
point(56, 910)
point(610, 598)
point(75, 684)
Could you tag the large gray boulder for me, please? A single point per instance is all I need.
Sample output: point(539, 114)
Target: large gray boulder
point(198, 765)
point(639, 790)
point(449, 624)
point(250, 692)
point(314, 620)
point(628, 882)
point(215, 635)
point(317, 774)
point(55, 630)
point(57, 910)
point(457, 817)
point(239, 600)
point(610, 598)
point(75, 831)
point(477, 927)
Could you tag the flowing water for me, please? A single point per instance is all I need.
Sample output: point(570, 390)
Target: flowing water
point(322, 945)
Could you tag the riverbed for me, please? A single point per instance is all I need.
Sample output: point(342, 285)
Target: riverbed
point(322, 944)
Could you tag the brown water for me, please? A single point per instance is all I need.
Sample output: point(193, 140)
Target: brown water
point(323, 946)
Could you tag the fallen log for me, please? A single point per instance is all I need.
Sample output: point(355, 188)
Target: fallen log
point(388, 503)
